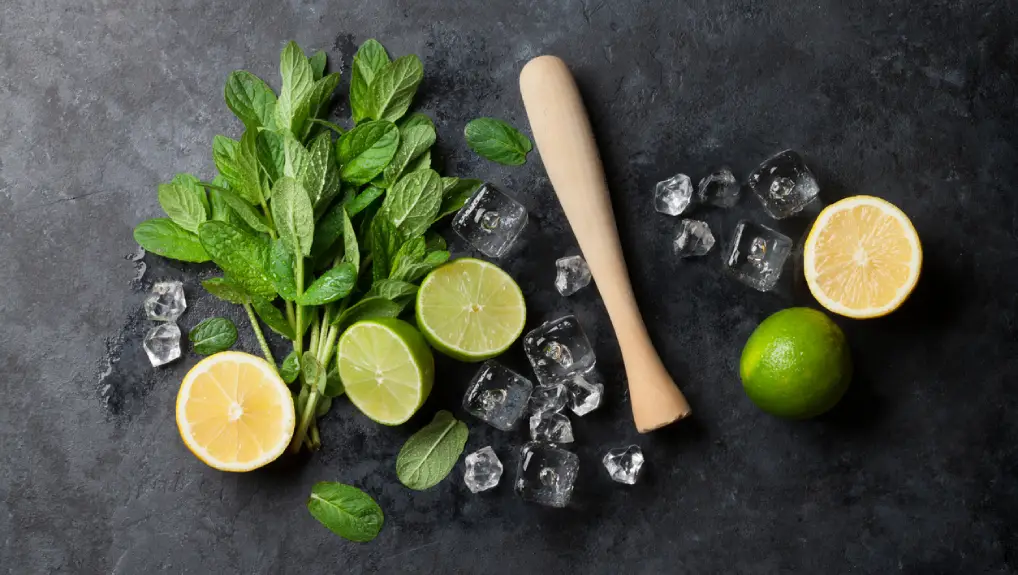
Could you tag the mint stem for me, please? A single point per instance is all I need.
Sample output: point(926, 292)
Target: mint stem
point(260, 336)
point(305, 420)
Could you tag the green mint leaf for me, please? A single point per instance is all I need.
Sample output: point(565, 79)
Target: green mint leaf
point(346, 511)
point(413, 142)
point(393, 89)
point(269, 148)
point(363, 200)
point(272, 317)
point(294, 216)
point(241, 255)
point(163, 237)
point(422, 162)
point(412, 262)
point(226, 290)
point(219, 210)
point(455, 193)
point(321, 178)
point(369, 60)
point(367, 308)
point(281, 270)
point(295, 158)
point(328, 230)
point(394, 290)
point(314, 373)
point(238, 163)
point(330, 125)
point(333, 384)
point(497, 141)
point(413, 202)
point(366, 150)
point(251, 100)
point(415, 120)
point(333, 285)
point(298, 81)
point(184, 201)
point(245, 211)
point(384, 243)
point(323, 406)
point(431, 453)
point(290, 368)
point(316, 102)
point(213, 335)
point(351, 248)
point(317, 62)
point(434, 241)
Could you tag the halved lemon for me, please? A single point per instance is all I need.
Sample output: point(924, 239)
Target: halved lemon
point(862, 257)
point(234, 412)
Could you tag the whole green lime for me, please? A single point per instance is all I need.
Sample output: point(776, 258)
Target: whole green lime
point(796, 364)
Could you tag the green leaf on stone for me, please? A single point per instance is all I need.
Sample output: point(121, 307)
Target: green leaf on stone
point(431, 453)
point(413, 202)
point(369, 60)
point(251, 100)
point(213, 335)
point(497, 141)
point(241, 255)
point(393, 89)
point(346, 511)
point(163, 237)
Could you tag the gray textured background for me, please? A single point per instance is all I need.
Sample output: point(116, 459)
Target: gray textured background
point(916, 471)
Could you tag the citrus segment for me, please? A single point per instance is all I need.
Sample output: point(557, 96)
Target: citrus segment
point(862, 257)
point(234, 412)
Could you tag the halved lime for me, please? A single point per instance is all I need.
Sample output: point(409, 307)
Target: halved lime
point(470, 310)
point(387, 369)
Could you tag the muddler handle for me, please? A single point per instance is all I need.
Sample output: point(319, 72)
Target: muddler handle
point(566, 144)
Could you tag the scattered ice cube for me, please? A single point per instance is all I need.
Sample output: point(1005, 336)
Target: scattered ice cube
point(558, 349)
point(584, 395)
point(491, 221)
point(483, 470)
point(162, 344)
point(572, 276)
point(551, 427)
point(546, 474)
point(784, 184)
point(757, 254)
point(673, 195)
point(497, 395)
point(166, 302)
point(694, 239)
point(548, 398)
point(624, 463)
point(719, 188)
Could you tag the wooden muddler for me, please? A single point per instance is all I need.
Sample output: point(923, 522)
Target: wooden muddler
point(567, 148)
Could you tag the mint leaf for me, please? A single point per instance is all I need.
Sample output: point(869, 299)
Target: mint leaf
point(431, 453)
point(241, 255)
point(295, 158)
point(315, 102)
point(270, 154)
point(394, 290)
point(226, 290)
point(272, 317)
point(363, 200)
point(238, 163)
point(455, 194)
point(298, 81)
point(351, 248)
point(290, 368)
point(346, 511)
point(384, 243)
point(369, 60)
point(434, 241)
point(213, 335)
point(327, 231)
point(412, 271)
point(281, 270)
point(394, 87)
point(314, 373)
point(245, 211)
point(184, 201)
point(163, 237)
point(497, 141)
point(294, 216)
point(366, 150)
point(251, 100)
point(317, 62)
point(321, 178)
point(412, 204)
point(367, 308)
point(334, 284)
point(415, 120)
point(423, 162)
point(413, 142)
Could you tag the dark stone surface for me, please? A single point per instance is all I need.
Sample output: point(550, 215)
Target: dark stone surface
point(916, 471)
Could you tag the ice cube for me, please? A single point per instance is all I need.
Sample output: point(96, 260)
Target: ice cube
point(548, 398)
point(757, 254)
point(558, 349)
point(673, 195)
point(166, 302)
point(162, 344)
point(624, 463)
point(497, 395)
point(584, 395)
point(546, 474)
point(483, 470)
point(572, 275)
point(719, 188)
point(784, 184)
point(490, 220)
point(551, 427)
point(694, 239)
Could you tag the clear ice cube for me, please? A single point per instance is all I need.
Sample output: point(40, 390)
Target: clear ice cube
point(572, 275)
point(694, 239)
point(548, 398)
point(483, 470)
point(497, 395)
point(166, 301)
point(162, 344)
point(784, 184)
point(551, 427)
point(673, 195)
point(584, 395)
point(546, 474)
point(558, 349)
point(624, 463)
point(490, 220)
point(757, 254)
point(719, 188)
